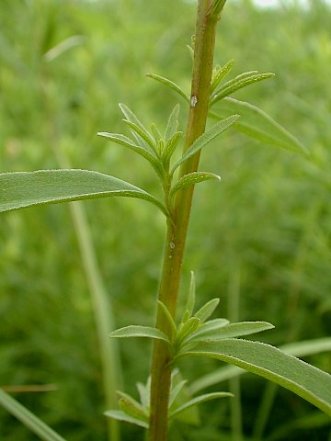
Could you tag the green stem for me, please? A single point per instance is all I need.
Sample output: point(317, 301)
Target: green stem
point(177, 228)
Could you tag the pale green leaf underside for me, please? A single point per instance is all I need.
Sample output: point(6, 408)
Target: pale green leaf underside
point(122, 416)
point(39, 428)
point(298, 349)
point(257, 124)
point(25, 189)
point(269, 362)
point(139, 331)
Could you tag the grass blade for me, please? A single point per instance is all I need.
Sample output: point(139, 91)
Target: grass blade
point(37, 426)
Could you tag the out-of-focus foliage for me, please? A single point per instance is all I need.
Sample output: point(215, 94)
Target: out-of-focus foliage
point(64, 66)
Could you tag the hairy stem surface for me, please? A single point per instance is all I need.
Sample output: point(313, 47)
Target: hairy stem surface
point(177, 230)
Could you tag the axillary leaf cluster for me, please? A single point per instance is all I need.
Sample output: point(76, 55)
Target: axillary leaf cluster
point(193, 329)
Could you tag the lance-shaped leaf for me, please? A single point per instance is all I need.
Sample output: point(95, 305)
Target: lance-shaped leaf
point(140, 134)
point(237, 83)
point(206, 138)
point(170, 84)
point(26, 189)
point(219, 74)
point(192, 179)
point(169, 319)
point(118, 138)
point(139, 331)
point(198, 400)
point(185, 329)
point(190, 299)
point(122, 416)
point(305, 380)
point(172, 124)
point(229, 331)
point(207, 309)
point(131, 406)
point(207, 328)
point(257, 124)
point(130, 116)
point(170, 147)
point(174, 393)
point(297, 349)
point(38, 427)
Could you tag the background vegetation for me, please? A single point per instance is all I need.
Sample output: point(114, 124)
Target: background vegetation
point(264, 232)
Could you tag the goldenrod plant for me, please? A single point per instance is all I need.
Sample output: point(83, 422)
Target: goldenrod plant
point(189, 332)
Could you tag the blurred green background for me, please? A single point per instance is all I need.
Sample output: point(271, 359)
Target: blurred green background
point(265, 231)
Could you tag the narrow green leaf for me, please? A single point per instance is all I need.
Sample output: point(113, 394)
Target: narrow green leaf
point(198, 400)
point(130, 116)
point(170, 147)
point(218, 5)
point(64, 46)
point(305, 380)
point(207, 309)
point(219, 74)
point(257, 124)
point(118, 138)
point(206, 138)
point(170, 84)
point(190, 299)
point(122, 416)
point(174, 393)
point(144, 394)
point(192, 179)
point(237, 83)
point(211, 326)
point(172, 124)
point(298, 349)
point(131, 407)
point(26, 189)
point(230, 331)
point(38, 427)
point(191, 325)
point(148, 144)
point(139, 331)
point(169, 319)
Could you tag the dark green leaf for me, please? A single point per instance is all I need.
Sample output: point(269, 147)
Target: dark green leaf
point(305, 380)
point(298, 349)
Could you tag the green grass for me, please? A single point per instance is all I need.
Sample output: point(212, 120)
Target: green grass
point(270, 215)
